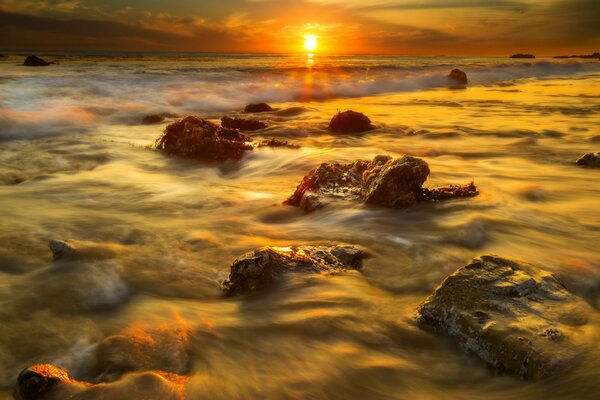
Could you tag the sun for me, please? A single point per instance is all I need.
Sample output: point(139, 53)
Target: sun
point(310, 42)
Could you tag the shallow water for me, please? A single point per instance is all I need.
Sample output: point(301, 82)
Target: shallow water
point(163, 231)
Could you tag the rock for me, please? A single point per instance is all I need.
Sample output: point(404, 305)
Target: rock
point(278, 143)
point(152, 119)
point(383, 181)
point(61, 250)
point(257, 108)
point(262, 266)
point(589, 160)
point(49, 382)
point(34, 61)
point(458, 76)
point(196, 138)
point(514, 316)
point(242, 124)
point(519, 55)
point(142, 348)
point(350, 122)
point(587, 56)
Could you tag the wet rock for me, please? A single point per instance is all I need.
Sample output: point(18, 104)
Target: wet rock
point(458, 76)
point(262, 266)
point(589, 160)
point(350, 122)
point(34, 61)
point(514, 316)
point(384, 181)
point(153, 119)
point(61, 250)
point(196, 138)
point(277, 143)
point(520, 55)
point(242, 124)
point(49, 382)
point(257, 108)
point(143, 348)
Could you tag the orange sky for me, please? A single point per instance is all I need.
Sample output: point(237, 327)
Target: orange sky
point(425, 27)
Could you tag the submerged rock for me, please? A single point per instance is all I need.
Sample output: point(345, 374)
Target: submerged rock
point(384, 181)
point(242, 124)
point(458, 76)
point(350, 122)
point(34, 61)
point(153, 119)
point(196, 138)
point(257, 108)
point(61, 249)
point(589, 160)
point(277, 143)
point(141, 348)
point(49, 382)
point(519, 55)
point(262, 266)
point(514, 316)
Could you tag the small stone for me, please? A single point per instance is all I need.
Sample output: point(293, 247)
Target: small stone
point(61, 250)
point(258, 108)
point(350, 122)
point(589, 160)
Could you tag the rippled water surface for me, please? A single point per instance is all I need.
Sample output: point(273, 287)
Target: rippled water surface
point(162, 232)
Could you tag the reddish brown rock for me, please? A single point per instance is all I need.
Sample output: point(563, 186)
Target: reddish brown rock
point(458, 76)
point(589, 160)
point(196, 138)
point(383, 181)
point(350, 122)
point(242, 124)
point(264, 265)
point(258, 107)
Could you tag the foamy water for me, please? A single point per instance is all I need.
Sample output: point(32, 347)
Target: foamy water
point(76, 164)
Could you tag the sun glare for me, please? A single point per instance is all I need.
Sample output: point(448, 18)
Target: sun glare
point(310, 42)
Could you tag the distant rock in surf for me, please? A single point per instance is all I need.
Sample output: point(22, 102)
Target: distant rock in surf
point(257, 108)
point(387, 182)
point(514, 316)
point(249, 124)
point(519, 55)
point(585, 56)
point(277, 143)
point(264, 265)
point(589, 160)
point(194, 137)
point(153, 119)
point(35, 61)
point(49, 382)
point(350, 122)
point(458, 76)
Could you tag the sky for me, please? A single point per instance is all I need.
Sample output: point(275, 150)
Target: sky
point(421, 27)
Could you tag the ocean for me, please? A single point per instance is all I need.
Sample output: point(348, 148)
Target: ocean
point(77, 164)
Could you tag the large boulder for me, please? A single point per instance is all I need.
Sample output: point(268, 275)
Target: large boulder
point(34, 61)
point(262, 266)
point(242, 124)
point(258, 108)
point(143, 348)
point(384, 181)
point(458, 76)
point(589, 160)
point(516, 317)
point(196, 138)
point(350, 122)
point(49, 382)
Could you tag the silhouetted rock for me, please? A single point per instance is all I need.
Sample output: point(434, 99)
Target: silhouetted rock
point(277, 143)
point(383, 181)
point(242, 124)
point(458, 76)
point(350, 122)
point(49, 382)
point(257, 108)
point(34, 61)
point(589, 160)
point(514, 316)
point(61, 249)
point(586, 56)
point(142, 348)
point(196, 138)
point(519, 55)
point(153, 119)
point(262, 266)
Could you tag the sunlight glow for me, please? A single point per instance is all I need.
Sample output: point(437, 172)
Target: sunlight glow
point(310, 42)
